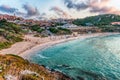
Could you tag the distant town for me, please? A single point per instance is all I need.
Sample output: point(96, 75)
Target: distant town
point(21, 37)
point(71, 24)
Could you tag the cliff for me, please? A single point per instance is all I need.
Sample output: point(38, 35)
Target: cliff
point(13, 67)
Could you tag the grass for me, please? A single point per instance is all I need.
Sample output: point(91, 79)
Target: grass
point(13, 65)
point(4, 45)
point(60, 31)
point(11, 32)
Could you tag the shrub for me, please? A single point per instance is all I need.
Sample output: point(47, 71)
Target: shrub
point(5, 45)
point(30, 77)
point(54, 30)
point(36, 28)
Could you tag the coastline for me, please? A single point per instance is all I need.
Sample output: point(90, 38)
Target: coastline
point(33, 44)
point(52, 43)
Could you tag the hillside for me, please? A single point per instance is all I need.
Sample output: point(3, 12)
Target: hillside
point(13, 67)
point(44, 32)
point(98, 20)
point(9, 34)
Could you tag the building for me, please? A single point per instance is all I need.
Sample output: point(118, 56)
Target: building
point(115, 23)
point(7, 17)
point(68, 26)
point(82, 30)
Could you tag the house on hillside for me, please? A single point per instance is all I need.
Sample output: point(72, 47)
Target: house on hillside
point(115, 23)
point(68, 26)
point(82, 30)
point(89, 24)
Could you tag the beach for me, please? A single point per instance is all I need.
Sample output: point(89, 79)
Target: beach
point(32, 44)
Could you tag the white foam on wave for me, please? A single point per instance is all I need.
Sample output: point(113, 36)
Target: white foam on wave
point(41, 56)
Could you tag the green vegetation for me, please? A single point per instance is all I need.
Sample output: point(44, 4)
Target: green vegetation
point(97, 20)
point(30, 77)
point(103, 22)
point(36, 28)
point(4, 45)
point(41, 32)
point(54, 30)
point(11, 32)
point(15, 66)
point(59, 24)
point(59, 31)
point(109, 28)
point(54, 24)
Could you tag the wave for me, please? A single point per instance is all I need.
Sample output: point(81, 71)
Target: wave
point(41, 56)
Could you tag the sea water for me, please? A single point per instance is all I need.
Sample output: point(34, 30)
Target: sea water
point(95, 58)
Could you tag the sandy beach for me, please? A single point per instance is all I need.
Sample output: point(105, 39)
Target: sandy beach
point(32, 44)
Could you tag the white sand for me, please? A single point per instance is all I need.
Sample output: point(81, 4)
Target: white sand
point(32, 44)
point(17, 48)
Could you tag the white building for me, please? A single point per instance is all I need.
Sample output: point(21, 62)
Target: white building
point(68, 26)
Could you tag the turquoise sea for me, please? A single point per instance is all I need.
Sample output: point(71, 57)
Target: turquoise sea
point(95, 58)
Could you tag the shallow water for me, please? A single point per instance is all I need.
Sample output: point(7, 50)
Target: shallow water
point(90, 59)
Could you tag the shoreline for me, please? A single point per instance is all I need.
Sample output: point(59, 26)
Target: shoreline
point(25, 48)
point(52, 43)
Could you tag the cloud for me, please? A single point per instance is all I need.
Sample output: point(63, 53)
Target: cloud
point(7, 9)
point(95, 6)
point(78, 6)
point(31, 11)
point(60, 12)
point(42, 16)
point(22, 14)
point(101, 7)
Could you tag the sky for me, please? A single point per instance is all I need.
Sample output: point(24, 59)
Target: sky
point(49, 9)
